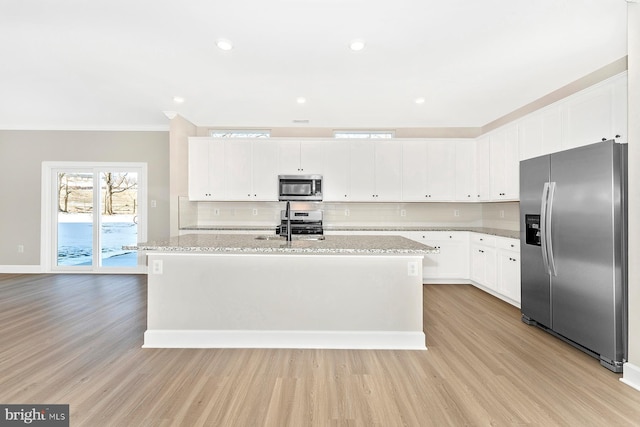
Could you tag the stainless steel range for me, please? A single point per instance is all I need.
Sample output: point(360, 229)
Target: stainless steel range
point(303, 222)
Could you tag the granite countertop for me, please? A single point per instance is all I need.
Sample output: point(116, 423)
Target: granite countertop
point(270, 228)
point(255, 244)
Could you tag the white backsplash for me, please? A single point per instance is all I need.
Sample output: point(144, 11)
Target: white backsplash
point(493, 215)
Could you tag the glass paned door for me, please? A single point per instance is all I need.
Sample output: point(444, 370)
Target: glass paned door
point(74, 218)
point(118, 218)
point(97, 211)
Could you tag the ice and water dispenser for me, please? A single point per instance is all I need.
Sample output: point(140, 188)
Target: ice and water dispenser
point(532, 234)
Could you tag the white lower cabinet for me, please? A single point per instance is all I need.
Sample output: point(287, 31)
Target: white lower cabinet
point(495, 265)
point(484, 269)
point(491, 263)
point(452, 262)
point(509, 268)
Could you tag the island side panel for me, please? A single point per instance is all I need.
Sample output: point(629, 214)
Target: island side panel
point(260, 300)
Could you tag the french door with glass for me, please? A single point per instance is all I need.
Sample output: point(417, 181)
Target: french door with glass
point(96, 210)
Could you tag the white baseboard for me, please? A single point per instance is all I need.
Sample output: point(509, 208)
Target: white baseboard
point(355, 340)
point(21, 269)
point(631, 375)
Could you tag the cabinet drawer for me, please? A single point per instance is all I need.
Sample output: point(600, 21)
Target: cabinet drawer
point(483, 239)
point(508, 244)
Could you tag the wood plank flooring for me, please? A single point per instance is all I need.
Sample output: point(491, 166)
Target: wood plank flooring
point(77, 339)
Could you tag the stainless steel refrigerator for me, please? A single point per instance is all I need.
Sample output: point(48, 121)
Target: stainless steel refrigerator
point(574, 248)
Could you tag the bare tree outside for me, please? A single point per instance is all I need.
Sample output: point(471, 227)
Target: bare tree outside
point(116, 183)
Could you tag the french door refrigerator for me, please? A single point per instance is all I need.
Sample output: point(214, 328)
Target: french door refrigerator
point(574, 248)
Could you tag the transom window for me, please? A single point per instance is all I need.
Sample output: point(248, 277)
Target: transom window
point(363, 134)
point(240, 133)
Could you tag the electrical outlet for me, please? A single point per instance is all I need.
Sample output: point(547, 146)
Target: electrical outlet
point(501, 213)
point(153, 204)
point(156, 266)
point(403, 212)
point(20, 249)
point(255, 211)
point(412, 268)
point(346, 212)
point(216, 212)
point(456, 212)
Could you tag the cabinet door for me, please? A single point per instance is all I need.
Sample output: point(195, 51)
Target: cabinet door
point(465, 171)
point(414, 171)
point(311, 158)
point(288, 157)
point(512, 164)
point(588, 117)
point(497, 158)
point(478, 264)
point(362, 171)
point(483, 266)
point(206, 169)
point(198, 169)
point(504, 163)
point(454, 262)
point(483, 168)
point(388, 171)
point(540, 133)
point(335, 155)
point(238, 169)
point(264, 171)
point(509, 274)
point(441, 171)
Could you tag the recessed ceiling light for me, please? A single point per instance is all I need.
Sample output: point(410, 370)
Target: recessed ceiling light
point(420, 100)
point(356, 45)
point(301, 100)
point(178, 99)
point(224, 44)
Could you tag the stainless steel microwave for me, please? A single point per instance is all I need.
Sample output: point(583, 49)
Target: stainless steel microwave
point(300, 187)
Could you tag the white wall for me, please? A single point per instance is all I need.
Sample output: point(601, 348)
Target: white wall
point(632, 369)
point(21, 155)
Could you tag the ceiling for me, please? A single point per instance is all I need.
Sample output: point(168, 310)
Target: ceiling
point(118, 64)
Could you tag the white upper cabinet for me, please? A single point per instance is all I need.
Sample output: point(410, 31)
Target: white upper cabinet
point(300, 157)
point(375, 170)
point(582, 126)
point(238, 167)
point(222, 169)
point(483, 168)
point(540, 133)
point(505, 163)
point(428, 170)
point(264, 171)
point(465, 179)
point(335, 175)
point(414, 171)
point(206, 169)
point(596, 113)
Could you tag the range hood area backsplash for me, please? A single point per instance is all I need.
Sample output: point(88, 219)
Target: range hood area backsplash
point(492, 215)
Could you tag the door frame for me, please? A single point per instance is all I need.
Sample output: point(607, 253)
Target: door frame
point(49, 209)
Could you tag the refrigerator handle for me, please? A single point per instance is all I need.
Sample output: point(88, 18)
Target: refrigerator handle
point(549, 217)
point(543, 226)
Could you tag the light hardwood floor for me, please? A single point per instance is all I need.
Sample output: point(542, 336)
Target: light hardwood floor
point(77, 339)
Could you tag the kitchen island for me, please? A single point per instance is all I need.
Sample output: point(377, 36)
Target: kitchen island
point(252, 291)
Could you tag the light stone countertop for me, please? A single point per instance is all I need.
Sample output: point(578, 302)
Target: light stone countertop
point(259, 228)
point(252, 244)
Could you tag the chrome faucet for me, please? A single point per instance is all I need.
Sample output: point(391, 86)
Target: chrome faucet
point(288, 214)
